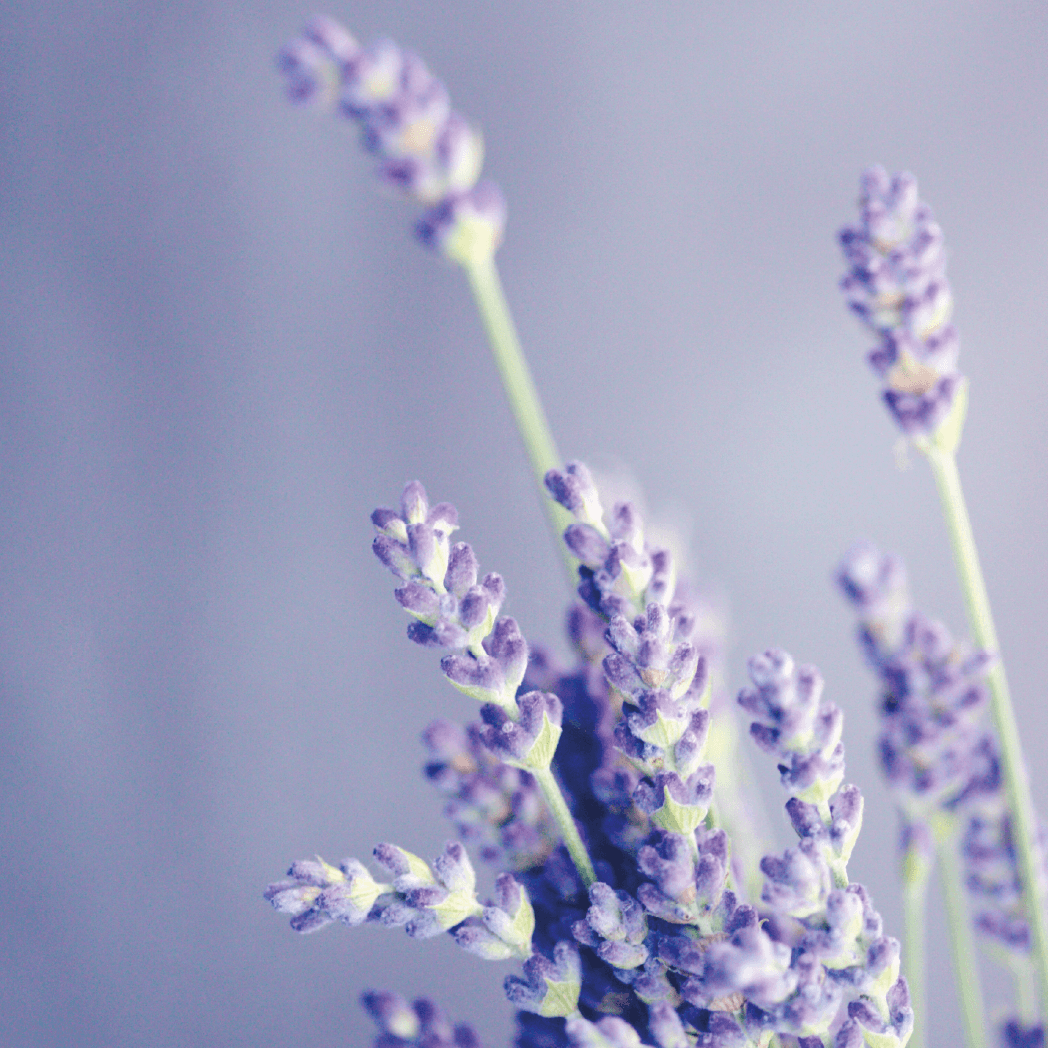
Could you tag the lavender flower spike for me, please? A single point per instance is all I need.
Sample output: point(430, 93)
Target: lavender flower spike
point(420, 1024)
point(453, 608)
point(897, 286)
point(425, 149)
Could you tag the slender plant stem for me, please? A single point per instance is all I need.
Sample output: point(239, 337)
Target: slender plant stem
point(962, 939)
point(568, 830)
point(1025, 992)
point(915, 894)
point(1013, 765)
point(521, 393)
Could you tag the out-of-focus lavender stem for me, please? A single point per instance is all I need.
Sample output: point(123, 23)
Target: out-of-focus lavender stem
point(962, 939)
point(1013, 764)
point(520, 392)
point(915, 895)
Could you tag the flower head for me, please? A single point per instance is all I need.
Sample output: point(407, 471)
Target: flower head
point(896, 284)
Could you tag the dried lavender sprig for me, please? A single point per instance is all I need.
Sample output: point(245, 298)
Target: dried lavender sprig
point(895, 221)
point(840, 955)
point(897, 286)
point(488, 655)
point(430, 153)
point(426, 898)
point(657, 647)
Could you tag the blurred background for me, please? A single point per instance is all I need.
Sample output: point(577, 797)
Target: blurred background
point(221, 349)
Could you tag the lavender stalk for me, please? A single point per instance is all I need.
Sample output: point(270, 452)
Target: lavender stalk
point(430, 153)
point(519, 386)
point(898, 287)
point(915, 898)
point(487, 656)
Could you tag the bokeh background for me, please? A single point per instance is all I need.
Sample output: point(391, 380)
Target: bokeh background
point(221, 348)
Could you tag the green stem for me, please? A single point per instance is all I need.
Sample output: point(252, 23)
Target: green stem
point(521, 393)
point(915, 894)
point(568, 830)
point(962, 939)
point(1013, 765)
point(1025, 992)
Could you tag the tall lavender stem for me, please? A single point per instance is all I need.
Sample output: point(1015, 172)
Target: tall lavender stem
point(1013, 764)
point(897, 285)
point(915, 895)
point(429, 153)
point(520, 391)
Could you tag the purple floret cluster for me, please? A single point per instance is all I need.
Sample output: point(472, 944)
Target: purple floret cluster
point(659, 944)
point(896, 284)
point(425, 149)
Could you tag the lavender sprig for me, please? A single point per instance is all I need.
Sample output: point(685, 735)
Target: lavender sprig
point(430, 153)
point(427, 899)
point(425, 149)
point(896, 255)
point(487, 655)
point(840, 958)
point(897, 286)
point(662, 654)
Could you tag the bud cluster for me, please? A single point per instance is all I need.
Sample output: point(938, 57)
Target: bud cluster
point(425, 899)
point(425, 149)
point(897, 286)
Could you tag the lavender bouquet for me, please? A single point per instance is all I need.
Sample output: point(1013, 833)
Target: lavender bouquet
point(630, 889)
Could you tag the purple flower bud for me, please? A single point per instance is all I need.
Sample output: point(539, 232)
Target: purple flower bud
point(749, 963)
point(311, 920)
point(669, 862)
point(392, 1014)
point(674, 804)
point(394, 555)
point(418, 599)
point(666, 1027)
point(317, 63)
point(291, 897)
point(466, 227)
point(899, 1024)
point(530, 742)
point(462, 569)
point(575, 491)
point(609, 1032)
point(474, 607)
point(587, 543)
point(376, 78)
point(549, 988)
point(414, 505)
point(483, 681)
point(616, 917)
point(400, 863)
point(454, 869)
point(506, 645)
point(798, 882)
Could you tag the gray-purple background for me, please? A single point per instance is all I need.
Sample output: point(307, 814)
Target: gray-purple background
point(222, 349)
